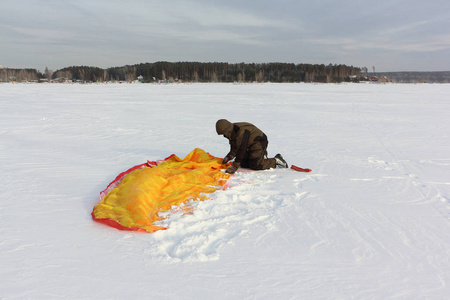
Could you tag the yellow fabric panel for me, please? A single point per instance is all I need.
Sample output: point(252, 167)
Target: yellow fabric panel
point(143, 193)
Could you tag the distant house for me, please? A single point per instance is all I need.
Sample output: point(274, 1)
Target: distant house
point(62, 80)
point(384, 79)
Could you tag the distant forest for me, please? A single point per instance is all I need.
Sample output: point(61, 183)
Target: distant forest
point(417, 77)
point(192, 72)
point(217, 72)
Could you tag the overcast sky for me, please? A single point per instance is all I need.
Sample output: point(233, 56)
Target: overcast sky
point(392, 35)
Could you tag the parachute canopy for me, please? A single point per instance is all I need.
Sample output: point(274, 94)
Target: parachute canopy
point(135, 198)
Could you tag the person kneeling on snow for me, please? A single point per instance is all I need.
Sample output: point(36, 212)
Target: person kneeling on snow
point(248, 147)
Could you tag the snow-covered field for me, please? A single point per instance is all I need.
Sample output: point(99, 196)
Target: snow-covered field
point(371, 221)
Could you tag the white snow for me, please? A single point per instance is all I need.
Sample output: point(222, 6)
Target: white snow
point(371, 221)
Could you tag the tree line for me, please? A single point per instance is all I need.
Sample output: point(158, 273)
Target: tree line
point(9, 75)
point(213, 72)
point(418, 77)
point(193, 72)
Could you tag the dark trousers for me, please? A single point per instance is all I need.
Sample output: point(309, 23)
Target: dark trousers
point(254, 157)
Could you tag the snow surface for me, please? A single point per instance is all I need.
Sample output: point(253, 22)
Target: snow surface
point(371, 221)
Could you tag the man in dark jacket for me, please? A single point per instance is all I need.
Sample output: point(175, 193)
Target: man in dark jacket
point(248, 147)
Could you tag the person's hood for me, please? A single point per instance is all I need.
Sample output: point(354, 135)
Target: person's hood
point(224, 127)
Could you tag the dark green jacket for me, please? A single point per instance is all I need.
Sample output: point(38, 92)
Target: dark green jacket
point(243, 137)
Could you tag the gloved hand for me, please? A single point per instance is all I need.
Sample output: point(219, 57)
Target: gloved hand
point(233, 168)
point(227, 159)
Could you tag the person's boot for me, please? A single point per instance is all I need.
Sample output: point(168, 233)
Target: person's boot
point(281, 163)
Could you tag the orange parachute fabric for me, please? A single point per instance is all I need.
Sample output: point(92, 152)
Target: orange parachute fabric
point(135, 198)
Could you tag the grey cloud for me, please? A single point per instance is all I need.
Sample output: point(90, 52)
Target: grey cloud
point(111, 33)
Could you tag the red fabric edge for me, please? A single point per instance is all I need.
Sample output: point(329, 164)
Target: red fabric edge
point(299, 169)
point(117, 225)
point(114, 224)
